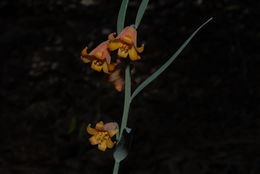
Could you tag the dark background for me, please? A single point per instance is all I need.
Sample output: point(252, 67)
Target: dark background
point(200, 116)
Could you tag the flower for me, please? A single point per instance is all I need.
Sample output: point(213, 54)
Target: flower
point(99, 58)
point(102, 134)
point(125, 43)
point(117, 80)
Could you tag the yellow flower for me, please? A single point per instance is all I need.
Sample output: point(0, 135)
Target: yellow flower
point(125, 43)
point(99, 58)
point(102, 134)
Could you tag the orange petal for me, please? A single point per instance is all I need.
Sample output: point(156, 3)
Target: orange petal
point(110, 143)
point(99, 125)
point(91, 130)
point(111, 36)
point(93, 140)
point(112, 132)
point(140, 49)
point(128, 35)
point(100, 51)
point(102, 146)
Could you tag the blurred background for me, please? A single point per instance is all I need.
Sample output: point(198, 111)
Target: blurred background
point(200, 116)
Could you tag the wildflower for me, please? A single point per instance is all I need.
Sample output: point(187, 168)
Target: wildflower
point(117, 80)
point(99, 58)
point(125, 43)
point(102, 134)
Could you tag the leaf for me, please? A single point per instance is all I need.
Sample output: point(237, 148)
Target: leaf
point(127, 99)
point(140, 12)
point(73, 125)
point(167, 63)
point(121, 16)
point(121, 150)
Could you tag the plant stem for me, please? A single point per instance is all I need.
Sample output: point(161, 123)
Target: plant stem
point(116, 167)
point(126, 110)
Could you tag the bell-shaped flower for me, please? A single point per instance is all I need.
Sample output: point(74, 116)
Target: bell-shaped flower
point(125, 43)
point(99, 58)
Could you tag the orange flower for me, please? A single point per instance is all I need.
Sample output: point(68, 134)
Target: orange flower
point(99, 58)
point(125, 43)
point(117, 80)
point(102, 134)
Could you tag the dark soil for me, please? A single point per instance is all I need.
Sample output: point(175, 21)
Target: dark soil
point(201, 116)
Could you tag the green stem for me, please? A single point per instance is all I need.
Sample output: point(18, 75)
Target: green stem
point(116, 167)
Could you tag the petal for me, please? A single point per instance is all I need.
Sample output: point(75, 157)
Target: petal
point(91, 130)
point(102, 146)
point(114, 45)
point(96, 67)
point(112, 132)
point(99, 125)
point(140, 49)
point(122, 53)
point(93, 140)
point(85, 59)
point(111, 36)
point(110, 126)
point(111, 67)
point(128, 35)
point(133, 54)
point(127, 39)
point(110, 143)
point(105, 68)
point(99, 54)
point(84, 52)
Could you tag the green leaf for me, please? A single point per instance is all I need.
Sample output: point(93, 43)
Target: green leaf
point(73, 125)
point(167, 63)
point(121, 150)
point(121, 16)
point(127, 99)
point(140, 12)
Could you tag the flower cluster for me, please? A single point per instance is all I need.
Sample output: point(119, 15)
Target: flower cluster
point(102, 134)
point(100, 57)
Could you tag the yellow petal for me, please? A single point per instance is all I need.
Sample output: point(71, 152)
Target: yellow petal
point(110, 143)
point(122, 53)
point(114, 45)
point(105, 68)
point(133, 54)
point(96, 66)
point(90, 130)
point(99, 125)
point(84, 59)
point(102, 146)
point(112, 132)
point(93, 140)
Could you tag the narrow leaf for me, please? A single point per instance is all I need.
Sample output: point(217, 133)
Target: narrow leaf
point(121, 16)
point(127, 99)
point(167, 63)
point(140, 12)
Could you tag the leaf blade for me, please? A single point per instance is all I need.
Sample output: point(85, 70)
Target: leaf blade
point(121, 16)
point(140, 12)
point(167, 63)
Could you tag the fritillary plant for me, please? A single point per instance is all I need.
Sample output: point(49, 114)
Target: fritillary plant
point(117, 67)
